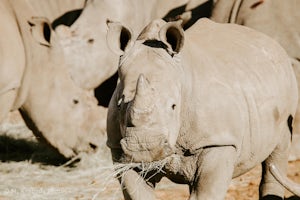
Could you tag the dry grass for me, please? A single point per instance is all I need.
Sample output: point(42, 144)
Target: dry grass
point(29, 170)
point(145, 170)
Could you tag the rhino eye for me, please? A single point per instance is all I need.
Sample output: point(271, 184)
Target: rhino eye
point(173, 106)
point(75, 101)
point(90, 41)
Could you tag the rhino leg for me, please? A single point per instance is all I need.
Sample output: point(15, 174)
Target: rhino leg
point(215, 171)
point(6, 102)
point(296, 67)
point(135, 187)
point(269, 187)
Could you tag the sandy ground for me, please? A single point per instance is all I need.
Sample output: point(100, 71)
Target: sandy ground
point(29, 171)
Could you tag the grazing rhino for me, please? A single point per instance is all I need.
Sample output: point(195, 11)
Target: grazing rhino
point(35, 79)
point(200, 107)
point(84, 43)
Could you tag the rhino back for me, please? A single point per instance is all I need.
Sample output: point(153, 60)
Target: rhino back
point(243, 85)
point(50, 9)
point(235, 53)
point(271, 18)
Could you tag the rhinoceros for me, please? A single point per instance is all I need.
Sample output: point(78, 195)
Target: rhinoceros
point(85, 45)
point(200, 107)
point(276, 18)
point(269, 17)
point(35, 79)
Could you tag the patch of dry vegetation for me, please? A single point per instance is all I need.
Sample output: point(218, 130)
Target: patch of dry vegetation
point(29, 170)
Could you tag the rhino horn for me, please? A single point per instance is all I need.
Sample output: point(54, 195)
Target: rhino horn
point(143, 101)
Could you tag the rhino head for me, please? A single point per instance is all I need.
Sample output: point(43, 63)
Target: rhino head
point(54, 107)
point(86, 53)
point(147, 101)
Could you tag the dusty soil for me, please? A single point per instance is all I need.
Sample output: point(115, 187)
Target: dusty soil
point(242, 188)
point(30, 171)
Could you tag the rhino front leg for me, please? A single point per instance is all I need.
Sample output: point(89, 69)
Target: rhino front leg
point(215, 171)
point(270, 188)
point(135, 187)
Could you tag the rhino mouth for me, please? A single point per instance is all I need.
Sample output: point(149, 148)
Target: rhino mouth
point(145, 146)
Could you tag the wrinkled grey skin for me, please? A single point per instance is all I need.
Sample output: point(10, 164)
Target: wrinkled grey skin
point(191, 101)
point(35, 79)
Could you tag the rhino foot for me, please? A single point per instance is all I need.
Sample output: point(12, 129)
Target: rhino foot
point(271, 197)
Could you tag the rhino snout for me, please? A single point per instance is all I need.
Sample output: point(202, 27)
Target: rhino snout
point(146, 149)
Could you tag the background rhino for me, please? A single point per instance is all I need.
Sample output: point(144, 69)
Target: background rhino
point(85, 48)
point(199, 107)
point(35, 79)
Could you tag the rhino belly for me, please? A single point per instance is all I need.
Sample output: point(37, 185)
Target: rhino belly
point(266, 130)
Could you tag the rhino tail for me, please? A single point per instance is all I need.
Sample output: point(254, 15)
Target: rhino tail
point(285, 181)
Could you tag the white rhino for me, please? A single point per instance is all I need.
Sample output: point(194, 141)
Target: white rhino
point(90, 60)
point(35, 79)
point(200, 107)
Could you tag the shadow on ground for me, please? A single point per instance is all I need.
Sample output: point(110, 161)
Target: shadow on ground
point(293, 198)
point(12, 149)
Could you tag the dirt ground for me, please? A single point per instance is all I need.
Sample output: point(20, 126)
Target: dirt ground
point(30, 171)
point(242, 188)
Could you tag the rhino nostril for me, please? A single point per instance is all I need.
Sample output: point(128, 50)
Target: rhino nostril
point(91, 41)
point(93, 146)
point(129, 124)
point(75, 101)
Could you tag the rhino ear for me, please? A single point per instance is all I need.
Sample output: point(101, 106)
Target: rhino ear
point(173, 36)
point(41, 30)
point(118, 37)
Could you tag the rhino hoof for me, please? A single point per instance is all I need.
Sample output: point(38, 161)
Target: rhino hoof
point(271, 197)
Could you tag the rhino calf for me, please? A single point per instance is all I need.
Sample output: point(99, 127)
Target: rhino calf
point(200, 107)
